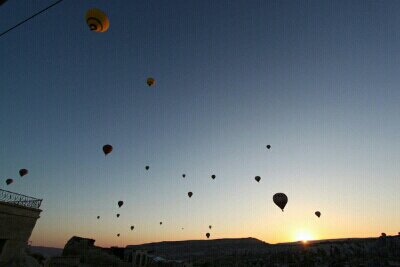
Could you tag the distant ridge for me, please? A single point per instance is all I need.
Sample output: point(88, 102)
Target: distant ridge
point(46, 251)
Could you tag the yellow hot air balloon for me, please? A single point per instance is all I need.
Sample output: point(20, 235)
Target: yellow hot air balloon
point(150, 81)
point(97, 20)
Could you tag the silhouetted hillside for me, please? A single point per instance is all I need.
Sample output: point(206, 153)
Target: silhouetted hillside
point(201, 248)
point(46, 251)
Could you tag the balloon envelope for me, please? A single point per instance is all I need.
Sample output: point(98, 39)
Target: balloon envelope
point(107, 149)
point(210, 226)
point(190, 194)
point(268, 146)
point(98, 217)
point(147, 167)
point(97, 20)
point(150, 81)
point(118, 215)
point(257, 178)
point(9, 181)
point(120, 203)
point(23, 172)
point(280, 199)
point(208, 235)
point(213, 176)
point(183, 175)
point(318, 214)
point(132, 227)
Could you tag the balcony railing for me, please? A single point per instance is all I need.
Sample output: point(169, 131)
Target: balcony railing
point(18, 199)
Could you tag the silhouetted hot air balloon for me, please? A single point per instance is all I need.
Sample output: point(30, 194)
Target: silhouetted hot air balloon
point(190, 194)
point(107, 149)
point(23, 172)
point(257, 178)
point(98, 217)
point(97, 20)
point(132, 227)
point(268, 146)
point(318, 214)
point(208, 235)
point(280, 199)
point(183, 175)
point(160, 223)
point(182, 228)
point(147, 168)
point(150, 81)
point(210, 226)
point(120, 203)
point(9, 181)
point(213, 176)
point(118, 235)
point(118, 215)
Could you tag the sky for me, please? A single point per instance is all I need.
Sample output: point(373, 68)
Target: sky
point(317, 80)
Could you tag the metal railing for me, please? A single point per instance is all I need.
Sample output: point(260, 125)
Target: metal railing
point(18, 199)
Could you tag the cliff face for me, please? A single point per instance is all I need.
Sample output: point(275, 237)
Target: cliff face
point(88, 253)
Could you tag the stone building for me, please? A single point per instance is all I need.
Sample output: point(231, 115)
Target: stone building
point(18, 216)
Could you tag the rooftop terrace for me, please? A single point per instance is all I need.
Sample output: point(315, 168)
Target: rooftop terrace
point(18, 199)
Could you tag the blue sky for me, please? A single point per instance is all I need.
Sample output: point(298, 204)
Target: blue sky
point(318, 80)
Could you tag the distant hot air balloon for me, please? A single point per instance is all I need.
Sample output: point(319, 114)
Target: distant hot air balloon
point(213, 176)
point(118, 215)
point(9, 181)
point(118, 235)
point(208, 235)
point(318, 214)
point(268, 146)
point(210, 226)
point(97, 20)
point(120, 203)
point(190, 194)
point(23, 172)
point(183, 175)
point(257, 178)
point(132, 227)
point(107, 149)
point(160, 223)
point(280, 199)
point(147, 168)
point(98, 217)
point(182, 228)
point(150, 81)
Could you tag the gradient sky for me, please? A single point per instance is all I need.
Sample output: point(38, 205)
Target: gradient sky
point(318, 80)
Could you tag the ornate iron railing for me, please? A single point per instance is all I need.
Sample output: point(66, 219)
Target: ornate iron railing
point(18, 199)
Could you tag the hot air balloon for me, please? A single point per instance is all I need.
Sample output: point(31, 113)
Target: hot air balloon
point(118, 235)
point(213, 176)
point(160, 223)
point(132, 227)
point(98, 217)
point(9, 181)
point(107, 149)
point(210, 226)
point(147, 168)
point(318, 214)
point(208, 235)
point(97, 20)
point(182, 228)
point(183, 175)
point(118, 215)
point(268, 146)
point(150, 81)
point(190, 194)
point(120, 203)
point(280, 199)
point(257, 178)
point(23, 172)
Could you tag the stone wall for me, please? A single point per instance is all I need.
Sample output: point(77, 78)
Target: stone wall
point(16, 226)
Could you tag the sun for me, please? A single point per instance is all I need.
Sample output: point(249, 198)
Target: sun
point(303, 236)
